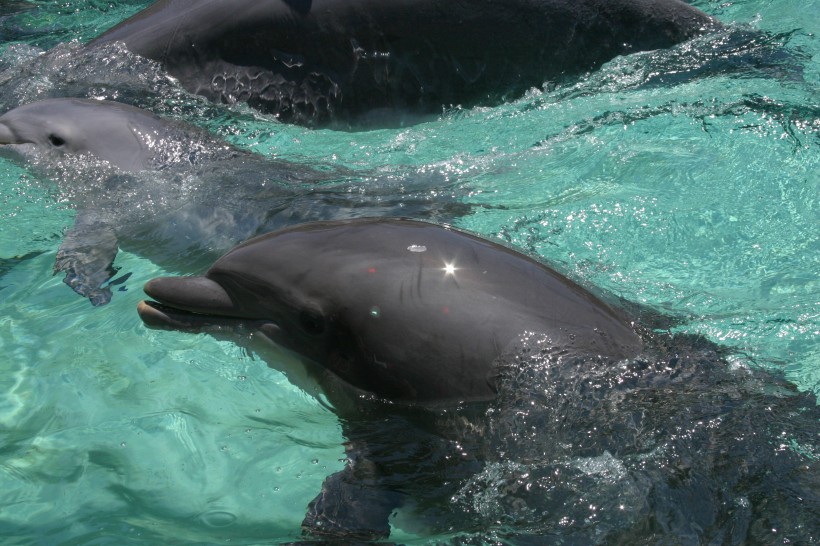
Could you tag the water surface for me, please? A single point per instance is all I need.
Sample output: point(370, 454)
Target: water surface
point(685, 180)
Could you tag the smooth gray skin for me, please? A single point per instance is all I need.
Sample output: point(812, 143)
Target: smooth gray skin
point(111, 131)
point(407, 310)
point(314, 61)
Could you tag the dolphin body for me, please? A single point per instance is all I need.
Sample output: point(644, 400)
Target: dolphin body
point(485, 392)
point(319, 61)
point(365, 297)
point(408, 311)
point(173, 192)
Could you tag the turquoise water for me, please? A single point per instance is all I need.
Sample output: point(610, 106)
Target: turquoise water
point(686, 180)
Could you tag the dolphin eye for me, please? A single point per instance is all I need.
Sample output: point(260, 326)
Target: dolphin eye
point(312, 322)
point(56, 140)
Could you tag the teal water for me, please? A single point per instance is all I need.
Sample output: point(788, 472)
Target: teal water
point(696, 192)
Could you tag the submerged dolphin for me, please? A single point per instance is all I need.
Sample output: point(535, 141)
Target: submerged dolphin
point(173, 192)
point(313, 61)
point(407, 311)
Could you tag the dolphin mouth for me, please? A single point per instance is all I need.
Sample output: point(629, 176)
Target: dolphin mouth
point(162, 317)
point(13, 143)
point(9, 137)
point(6, 136)
point(188, 303)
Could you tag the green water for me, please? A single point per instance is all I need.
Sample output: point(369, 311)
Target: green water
point(698, 196)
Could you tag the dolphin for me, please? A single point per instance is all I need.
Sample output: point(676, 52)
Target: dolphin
point(176, 194)
point(322, 61)
point(476, 386)
point(407, 311)
point(365, 297)
point(127, 137)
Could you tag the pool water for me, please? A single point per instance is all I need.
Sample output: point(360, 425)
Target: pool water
point(686, 180)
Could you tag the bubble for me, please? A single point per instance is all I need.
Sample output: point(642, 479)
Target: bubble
point(218, 518)
point(417, 248)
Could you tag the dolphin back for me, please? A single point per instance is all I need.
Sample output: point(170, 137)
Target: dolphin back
point(319, 60)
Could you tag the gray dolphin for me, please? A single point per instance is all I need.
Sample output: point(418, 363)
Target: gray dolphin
point(406, 311)
point(313, 61)
point(366, 297)
point(176, 194)
point(579, 428)
point(123, 139)
point(127, 137)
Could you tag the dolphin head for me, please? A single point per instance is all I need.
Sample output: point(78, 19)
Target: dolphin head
point(403, 309)
point(297, 287)
point(122, 135)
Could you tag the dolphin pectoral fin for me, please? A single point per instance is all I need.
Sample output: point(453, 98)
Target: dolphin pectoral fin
point(87, 257)
point(351, 508)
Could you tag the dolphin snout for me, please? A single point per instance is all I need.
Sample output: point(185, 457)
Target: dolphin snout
point(161, 317)
point(193, 294)
point(153, 316)
point(192, 304)
point(7, 136)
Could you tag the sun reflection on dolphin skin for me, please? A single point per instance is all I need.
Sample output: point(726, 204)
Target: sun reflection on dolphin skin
point(449, 268)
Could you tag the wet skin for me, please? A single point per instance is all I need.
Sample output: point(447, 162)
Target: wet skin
point(348, 61)
point(403, 309)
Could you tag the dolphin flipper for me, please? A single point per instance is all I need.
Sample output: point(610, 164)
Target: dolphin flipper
point(87, 256)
